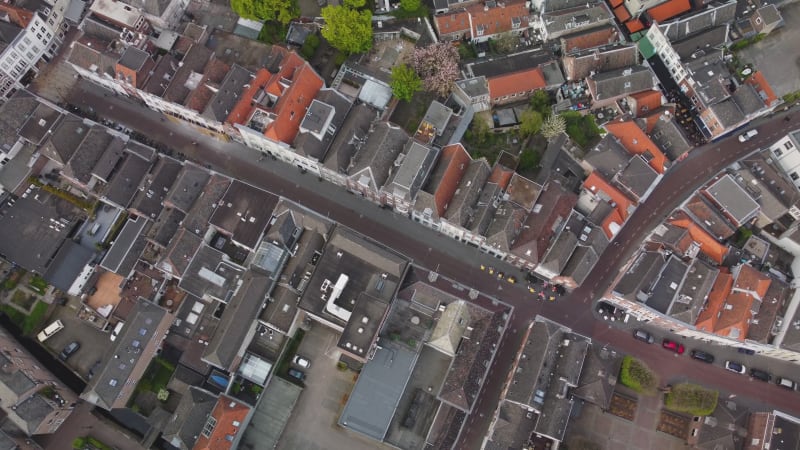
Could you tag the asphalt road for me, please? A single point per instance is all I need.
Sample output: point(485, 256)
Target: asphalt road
point(460, 263)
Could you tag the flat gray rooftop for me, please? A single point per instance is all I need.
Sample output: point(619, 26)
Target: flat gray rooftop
point(375, 397)
point(271, 416)
point(33, 229)
point(733, 199)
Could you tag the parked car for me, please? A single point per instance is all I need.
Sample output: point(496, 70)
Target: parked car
point(760, 375)
point(735, 367)
point(786, 383)
point(69, 350)
point(744, 137)
point(297, 374)
point(746, 351)
point(643, 336)
point(674, 346)
point(301, 361)
point(703, 356)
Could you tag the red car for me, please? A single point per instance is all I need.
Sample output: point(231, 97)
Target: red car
point(674, 346)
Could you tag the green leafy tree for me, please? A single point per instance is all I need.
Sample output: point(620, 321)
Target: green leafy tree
point(478, 130)
point(541, 102)
point(347, 29)
point(282, 11)
point(405, 82)
point(354, 4)
point(530, 122)
point(410, 5)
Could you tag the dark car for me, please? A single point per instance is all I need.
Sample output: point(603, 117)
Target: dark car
point(746, 351)
point(69, 350)
point(297, 374)
point(643, 336)
point(703, 356)
point(760, 375)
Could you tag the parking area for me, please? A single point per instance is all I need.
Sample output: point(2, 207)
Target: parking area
point(95, 231)
point(777, 56)
point(313, 425)
point(94, 342)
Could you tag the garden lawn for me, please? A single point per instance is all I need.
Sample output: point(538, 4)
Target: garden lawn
point(30, 322)
point(581, 129)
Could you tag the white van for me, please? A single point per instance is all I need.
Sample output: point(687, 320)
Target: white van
point(116, 331)
point(50, 330)
point(744, 137)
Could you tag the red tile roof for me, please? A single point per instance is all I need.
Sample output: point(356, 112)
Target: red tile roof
point(749, 279)
point(707, 319)
point(595, 184)
point(498, 19)
point(613, 218)
point(615, 3)
point(590, 39)
point(241, 112)
point(456, 160)
point(226, 420)
point(729, 309)
point(763, 88)
point(636, 141)
point(669, 9)
point(621, 13)
point(634, 25)
point(646, 101)
point(516, 82)
point(453, 22)
point(708, 244)
point(501, 176)
point(295, 84)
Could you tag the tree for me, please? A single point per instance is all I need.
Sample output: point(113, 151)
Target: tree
point(282, 11)
point(437, 65)
point(540, 101)
point(405, 82)
point(410, 5)
point(347, 29)
point(530, 122)
point(553, 126)
point(479, 129)
point(506, 42)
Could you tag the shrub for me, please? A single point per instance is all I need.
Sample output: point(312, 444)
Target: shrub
point(310, 46)
point(636, 375)
point(162, 395)
point(691, 399)
point(581, 128)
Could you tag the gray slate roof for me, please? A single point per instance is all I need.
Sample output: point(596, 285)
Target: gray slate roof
point(228, 94)
point(237, 320)
point(620, 82)
point(128, 357)
point(377, 154)
point(189, 418)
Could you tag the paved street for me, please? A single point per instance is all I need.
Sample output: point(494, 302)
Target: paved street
point(461, 263)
